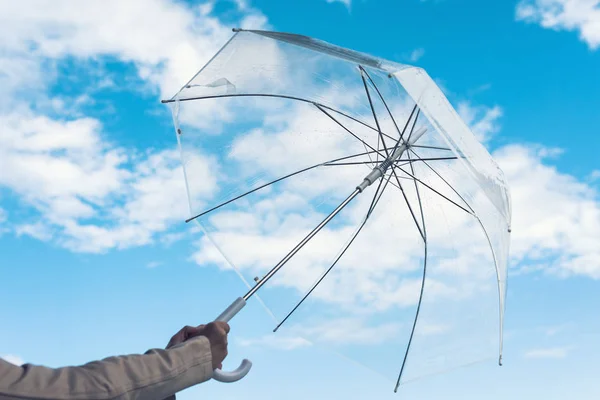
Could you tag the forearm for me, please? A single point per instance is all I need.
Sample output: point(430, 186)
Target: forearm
point(155, 375)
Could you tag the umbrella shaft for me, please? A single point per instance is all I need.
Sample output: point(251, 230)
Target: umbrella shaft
point(300, 245)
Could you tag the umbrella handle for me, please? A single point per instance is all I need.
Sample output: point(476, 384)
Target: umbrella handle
point(235, 375)
point(244, 368)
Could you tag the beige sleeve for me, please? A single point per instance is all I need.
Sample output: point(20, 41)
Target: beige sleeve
point(155, 375)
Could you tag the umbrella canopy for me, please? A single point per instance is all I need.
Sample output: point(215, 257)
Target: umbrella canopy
point(352, 199)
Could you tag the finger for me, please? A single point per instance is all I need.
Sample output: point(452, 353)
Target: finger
point(224, 325)
point(220, 366)
point(194, 331)
point(186, 331)
point(177, 338)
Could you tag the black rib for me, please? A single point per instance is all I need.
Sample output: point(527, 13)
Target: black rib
point(442, 178)
point(371, 208)
point(426, 159)
point(349, 131)
point(408, 122)
point(412, 332)
point(376, 201)
point(432, 189)
point(350, 163)
point(380, 135)
point(365, 144)
point(273, 182)
point(482, 227)
point(220, 96)
point(401, 134)
point(413, 127)
point(321, 278)
point(430, 147)
point(408, 203)
point(400, 185)
point(396, 162)
point(382, 100)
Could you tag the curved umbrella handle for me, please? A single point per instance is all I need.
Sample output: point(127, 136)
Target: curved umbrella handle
point(235, 375)
point(244, 368)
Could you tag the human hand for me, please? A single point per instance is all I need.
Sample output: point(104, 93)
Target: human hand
point(215, 332)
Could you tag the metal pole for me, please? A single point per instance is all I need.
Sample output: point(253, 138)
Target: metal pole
point(285, 259)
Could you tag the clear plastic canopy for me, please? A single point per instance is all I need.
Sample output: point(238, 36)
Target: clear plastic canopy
point(409, 278)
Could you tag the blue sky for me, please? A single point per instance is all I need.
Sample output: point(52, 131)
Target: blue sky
point(96, 259)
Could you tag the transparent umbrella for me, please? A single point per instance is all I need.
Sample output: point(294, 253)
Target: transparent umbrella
point(347, 192)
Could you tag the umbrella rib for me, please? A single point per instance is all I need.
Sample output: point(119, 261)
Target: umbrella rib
point(432, 189)
point(374, 202)
point(279, 96)
point(408, 203)
point(400, 185)
point(275, 181)
point(442, 178)
point(376, 198)
point(413, 127)
point(350, 163)
point(412, 169)
point(407, 123)
point(379, 133)
point(412, 332)
point(405, 162)
point(427, 159)
point(383, 101)
point(406, 126)
point(486, 235)
point(322, 109)
point(349, 131)
point(401, 134)
point(430, 147)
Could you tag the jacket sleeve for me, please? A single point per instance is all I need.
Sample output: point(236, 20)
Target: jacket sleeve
point(156, 375)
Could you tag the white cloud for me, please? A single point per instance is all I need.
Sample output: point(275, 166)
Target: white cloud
point(92, 194)
point(16, 360)
point(188, 35)
point(37, 230)
point(41, 157)
point(582, 16)
point(549, 352)
point(416, 55)
point(483, 120)
point(556, 217)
